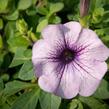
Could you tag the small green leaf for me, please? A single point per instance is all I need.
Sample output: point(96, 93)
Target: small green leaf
point(49, 101)
point(26, 72)
point(15, 86)
point(42, 10)
point(3, 5)
point(5, 106)
point(102, 31)
point(93, 103)
point(1, 85)
point(24, 4)
point(1, 42)
point(10, 29)
point(1, 23)
point(18, 41)
point(21, 56)
point(27, 100)
point(12, 16)
point(34, 1)
point(97, 15)
point(55, 20)
point(2, 54)
point(103, 90)
point(41, 25)
point(55, 7)
point(5, 77)
point(31, 11)
point(75, 104)
point(11, 99)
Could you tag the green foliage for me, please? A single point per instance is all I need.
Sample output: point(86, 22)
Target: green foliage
point(1, 23)
point(26, 72)
point(41, 25)
point(48, 101)
point(21, 22)
point(103, 90)
point(24, 4)
point(27, 101)
point(55, 7)
point(92, 103)
point(12, 16)
point(3, 5)
point(1, 42)
point(1, 85)
point(75, 104)
point(21, 56)
point(15, 86)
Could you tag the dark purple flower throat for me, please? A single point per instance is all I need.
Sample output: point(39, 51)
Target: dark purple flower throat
point(67, 55)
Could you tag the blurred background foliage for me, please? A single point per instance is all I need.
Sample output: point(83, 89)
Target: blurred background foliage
point(21, 22)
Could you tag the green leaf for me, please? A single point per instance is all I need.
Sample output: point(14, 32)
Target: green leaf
point(1, 42)
point(49, 101)
point(93, 103)
point(5, 106)
point(55, 20)
point(1, 23)
point(34, 1)
point(102, 31)
point(18, 41)
point(92, 5)
point(26, 72)
point(11, 99)
point(3, 5)
point(27, 101)
point(41, 25)
point(103, 90)
point(42, 10)
point(24, 4)
point(5, 77)
point(75, 104)
point(21, 56)
point(10, 29)
point(55, 7)
point(31, 11)
point(15, 86)
point(97, 15)
point(1, 85)
point(12, 16)
point(2, 54)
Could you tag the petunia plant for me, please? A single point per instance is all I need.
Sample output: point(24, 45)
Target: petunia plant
point(69, 60)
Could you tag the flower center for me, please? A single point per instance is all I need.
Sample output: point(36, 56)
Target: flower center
point(67, 55)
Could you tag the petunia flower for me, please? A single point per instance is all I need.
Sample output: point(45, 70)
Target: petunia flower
point(69, 60)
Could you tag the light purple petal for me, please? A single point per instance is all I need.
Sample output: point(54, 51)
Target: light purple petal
point(94, 48)
point(53, 34)
point(72, 31)
point(69, 84)
point(92, 68)
point(88, 86)
point(40, 52)
point(91, 73)
point(49, 82)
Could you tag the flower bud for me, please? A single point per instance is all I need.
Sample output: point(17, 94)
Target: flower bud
point(22, 26)
point(32, 36)
point(84, 7)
